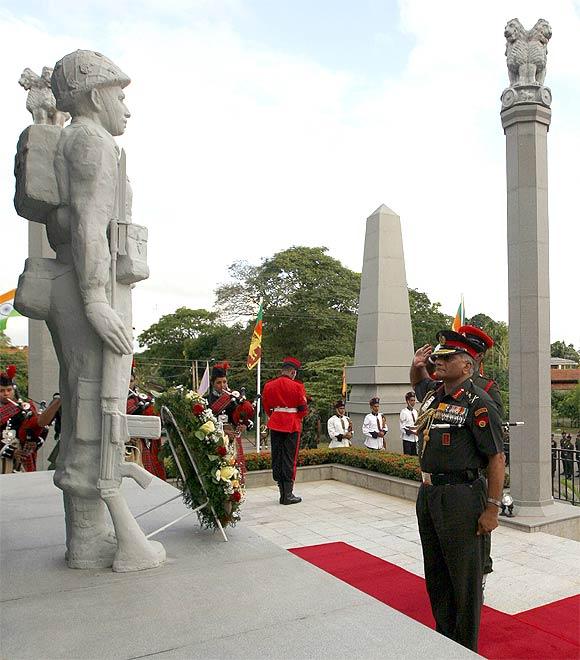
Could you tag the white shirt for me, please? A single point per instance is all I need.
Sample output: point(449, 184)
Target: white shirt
point(374, 423)
point(408, 418)
point(338, 426)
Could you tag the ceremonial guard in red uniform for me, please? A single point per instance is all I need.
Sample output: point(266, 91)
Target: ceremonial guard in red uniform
point(284, 400)
point(23, 430)
point(147, 454)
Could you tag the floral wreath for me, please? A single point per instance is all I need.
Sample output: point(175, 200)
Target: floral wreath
point(214, 455)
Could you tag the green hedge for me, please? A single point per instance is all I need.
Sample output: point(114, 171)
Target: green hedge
point(396, 465)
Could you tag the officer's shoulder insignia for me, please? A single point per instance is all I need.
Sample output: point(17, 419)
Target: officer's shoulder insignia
point(482, 423)
point(479, 411)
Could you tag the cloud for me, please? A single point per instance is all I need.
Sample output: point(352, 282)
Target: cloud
point(236, 150)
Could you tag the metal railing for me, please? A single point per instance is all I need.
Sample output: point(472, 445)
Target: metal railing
point(565, 475)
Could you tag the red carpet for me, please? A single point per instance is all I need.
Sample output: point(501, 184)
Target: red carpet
point(550, 631)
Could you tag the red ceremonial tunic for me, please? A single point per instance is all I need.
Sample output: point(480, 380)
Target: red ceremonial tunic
point(149, 450)
point(283, 392)
point(23, 428)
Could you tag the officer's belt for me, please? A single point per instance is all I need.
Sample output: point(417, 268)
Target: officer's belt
point(288, 410)
point(459, 477)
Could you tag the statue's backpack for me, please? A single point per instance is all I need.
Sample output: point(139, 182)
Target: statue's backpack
point(36, 186)
point(37, 196)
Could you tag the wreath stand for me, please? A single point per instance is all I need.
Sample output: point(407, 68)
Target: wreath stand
point(166, 414)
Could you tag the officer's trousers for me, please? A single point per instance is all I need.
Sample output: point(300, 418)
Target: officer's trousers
point(284, 448)
point(453, 555)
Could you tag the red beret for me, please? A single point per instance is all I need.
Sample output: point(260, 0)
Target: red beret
point(291, 362)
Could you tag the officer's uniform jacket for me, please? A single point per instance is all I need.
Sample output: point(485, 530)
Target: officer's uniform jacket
point(490, 386)
point(338, 426)
point(475, 431)
point(284, 401)
point(373, 424)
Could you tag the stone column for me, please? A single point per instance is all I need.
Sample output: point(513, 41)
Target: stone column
point(42, 363)
point(384, 341)
point(525, 119)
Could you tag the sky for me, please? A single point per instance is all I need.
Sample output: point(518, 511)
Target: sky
point(261, 124)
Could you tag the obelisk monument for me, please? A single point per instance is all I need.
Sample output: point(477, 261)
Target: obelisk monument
point(384, 340)
point(525, 117)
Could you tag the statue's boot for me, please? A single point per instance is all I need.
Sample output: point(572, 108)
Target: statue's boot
point(90, 541)
point(134, 551)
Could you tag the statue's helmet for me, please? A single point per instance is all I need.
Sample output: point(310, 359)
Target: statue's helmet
point(80, 72)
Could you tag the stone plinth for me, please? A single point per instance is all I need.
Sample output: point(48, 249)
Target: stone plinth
point(384, 340)
point(526, 129)
point(246, 598)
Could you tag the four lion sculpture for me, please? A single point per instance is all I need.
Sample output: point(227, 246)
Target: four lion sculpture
point(526, 52)
point(40, 101)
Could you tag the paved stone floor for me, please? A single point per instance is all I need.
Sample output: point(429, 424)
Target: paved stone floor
point(529, 569)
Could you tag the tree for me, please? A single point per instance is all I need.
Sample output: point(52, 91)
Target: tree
point(566, 405)
point(426, 318)
point(559, 349)
point(323, 382)
point(310, 302)
point(19, 358)
point(170, 345)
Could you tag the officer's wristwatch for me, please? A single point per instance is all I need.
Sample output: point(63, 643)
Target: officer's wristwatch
point(496, 503)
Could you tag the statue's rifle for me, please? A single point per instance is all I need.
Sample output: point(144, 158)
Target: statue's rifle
point(115, 428)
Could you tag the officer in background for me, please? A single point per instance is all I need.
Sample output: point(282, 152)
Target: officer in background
point(284, 401)
point(484, 342)
point(460, 433)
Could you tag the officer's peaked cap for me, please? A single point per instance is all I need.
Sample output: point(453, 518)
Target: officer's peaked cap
point(451, 342)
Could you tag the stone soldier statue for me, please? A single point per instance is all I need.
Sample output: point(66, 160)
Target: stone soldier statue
point(84, 295)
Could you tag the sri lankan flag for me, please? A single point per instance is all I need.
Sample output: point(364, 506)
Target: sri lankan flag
point(459, 319)
point(7, 308)
point(255, 352)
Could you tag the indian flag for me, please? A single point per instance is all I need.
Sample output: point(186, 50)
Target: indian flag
point(459, 319)
point(255, 352)
point(7, 308)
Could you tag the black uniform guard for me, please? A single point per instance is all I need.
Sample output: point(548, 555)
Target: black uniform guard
point(460, 433)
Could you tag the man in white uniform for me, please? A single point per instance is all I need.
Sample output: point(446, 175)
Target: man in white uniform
point(374, 426)
point(407, 421)
point(339, 427)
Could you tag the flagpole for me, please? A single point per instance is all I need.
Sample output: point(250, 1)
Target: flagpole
point(258, 401)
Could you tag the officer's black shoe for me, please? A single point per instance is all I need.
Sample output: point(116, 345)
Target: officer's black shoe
point(289, 497)
point(281, 489)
